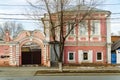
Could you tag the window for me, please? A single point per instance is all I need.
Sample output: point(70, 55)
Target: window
point(99, 56)
point(71, 56)
point(69, 27)
point(95, 27)
point(85, 56)
point(83, 28)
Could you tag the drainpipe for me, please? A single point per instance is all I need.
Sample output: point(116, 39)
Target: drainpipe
point(108, 41)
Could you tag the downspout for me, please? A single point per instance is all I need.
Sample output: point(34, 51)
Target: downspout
point(108, 40)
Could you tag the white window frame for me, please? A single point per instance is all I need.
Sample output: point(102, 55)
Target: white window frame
point(97, 24)
point(80, 56)
point(70, 27)
point(101, 56)
point(85, 27)
point(87, 56)
point(73, 56)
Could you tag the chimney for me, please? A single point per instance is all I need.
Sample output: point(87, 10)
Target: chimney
point(7, 36)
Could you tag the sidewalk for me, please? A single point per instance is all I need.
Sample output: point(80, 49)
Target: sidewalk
point(43, 71)
point(79, 70)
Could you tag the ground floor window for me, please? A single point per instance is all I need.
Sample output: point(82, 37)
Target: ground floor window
point(85, 56)
point(99, 56)
point(71, 56)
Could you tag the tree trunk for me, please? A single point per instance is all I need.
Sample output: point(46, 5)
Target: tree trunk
point(60, 66)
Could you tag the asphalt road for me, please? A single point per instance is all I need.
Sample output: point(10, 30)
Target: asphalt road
point(105, 77)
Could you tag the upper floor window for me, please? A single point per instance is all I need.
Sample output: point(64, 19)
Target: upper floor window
point(69, 27)
point(83, 28)
point(95, 27)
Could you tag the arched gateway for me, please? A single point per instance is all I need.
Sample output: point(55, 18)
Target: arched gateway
point(30, 49)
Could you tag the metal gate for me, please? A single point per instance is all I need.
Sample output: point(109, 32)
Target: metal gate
point(31, 57)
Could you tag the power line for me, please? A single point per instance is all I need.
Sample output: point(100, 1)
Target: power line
point(68, 5)
point(36, 14)
point(18, 19)
point(40, 19)
point(22, 14)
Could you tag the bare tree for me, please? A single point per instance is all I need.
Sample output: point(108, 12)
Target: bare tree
point(13, 28)
point(61, 13)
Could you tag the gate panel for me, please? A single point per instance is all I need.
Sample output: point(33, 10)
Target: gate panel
point(36, 57)
point(26, 58)
point(113, 58)
point(31, 57)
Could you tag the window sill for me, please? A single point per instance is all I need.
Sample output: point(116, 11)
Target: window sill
point(99, 60)
point(71, 60)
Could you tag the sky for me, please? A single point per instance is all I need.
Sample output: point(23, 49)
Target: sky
point(12, 7)
point(5, 7)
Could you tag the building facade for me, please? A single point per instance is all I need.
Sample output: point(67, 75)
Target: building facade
point(85, 45)
point(89, 41)
point(28, 48)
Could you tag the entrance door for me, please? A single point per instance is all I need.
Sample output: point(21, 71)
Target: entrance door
point(113, 58)
point(31, 57)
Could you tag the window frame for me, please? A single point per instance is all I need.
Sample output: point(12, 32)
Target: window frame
point(68, 26)
point(84, 26)
point(101, 56)
point(69, 56)
point(87, 56)
point(98, 31)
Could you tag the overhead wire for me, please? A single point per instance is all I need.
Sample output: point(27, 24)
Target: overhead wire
point(10, 14)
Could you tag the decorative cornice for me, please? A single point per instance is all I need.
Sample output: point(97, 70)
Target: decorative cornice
point(85, 44)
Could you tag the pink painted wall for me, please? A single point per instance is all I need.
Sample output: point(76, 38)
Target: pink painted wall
point(4, 51)
point(74, 40)
point(85, 48)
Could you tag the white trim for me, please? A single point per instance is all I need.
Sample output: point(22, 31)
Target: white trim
point(80, 56)
point(86, 27)
point(73, 56)
point(90, 56)
point(71, 31)
point(87, 56)
point(98, 35)
point(80, 36)
point(101, 56)
point(98, 26)
point(108, 33)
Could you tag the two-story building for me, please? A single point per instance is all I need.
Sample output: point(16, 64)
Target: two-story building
point(89, 41)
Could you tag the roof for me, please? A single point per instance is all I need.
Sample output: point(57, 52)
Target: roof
point(84, 8)
point(115, 38)
point(116, 42)
point(115, 45)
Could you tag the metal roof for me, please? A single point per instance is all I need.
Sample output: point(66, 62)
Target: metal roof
point(115, 45)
